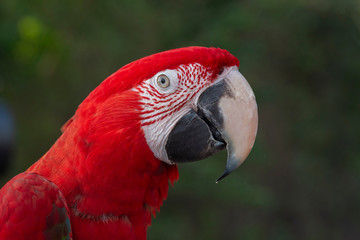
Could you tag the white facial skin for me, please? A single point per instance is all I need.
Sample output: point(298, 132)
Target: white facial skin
point(164, 106)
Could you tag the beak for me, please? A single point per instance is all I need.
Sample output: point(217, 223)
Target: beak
point(226, 116)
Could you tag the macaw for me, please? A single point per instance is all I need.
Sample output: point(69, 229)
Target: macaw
point(109, 171)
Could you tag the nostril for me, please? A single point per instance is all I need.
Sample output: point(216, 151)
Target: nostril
point(221, 70)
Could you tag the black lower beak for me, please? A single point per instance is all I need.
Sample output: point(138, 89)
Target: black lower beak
point(193, 138)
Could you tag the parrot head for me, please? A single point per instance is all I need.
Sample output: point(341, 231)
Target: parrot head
point(117, 154)
point(188, 104)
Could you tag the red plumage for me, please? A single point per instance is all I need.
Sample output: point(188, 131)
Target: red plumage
point(35, 209)
point(102, 163)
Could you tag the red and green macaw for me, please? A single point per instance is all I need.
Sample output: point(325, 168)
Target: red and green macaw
point(109, 171)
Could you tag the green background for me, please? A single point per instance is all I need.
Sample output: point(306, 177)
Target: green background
point(302, 58)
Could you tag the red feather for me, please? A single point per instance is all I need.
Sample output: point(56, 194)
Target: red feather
point(35, 209)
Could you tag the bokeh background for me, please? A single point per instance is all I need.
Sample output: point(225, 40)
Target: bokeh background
point(302, 58)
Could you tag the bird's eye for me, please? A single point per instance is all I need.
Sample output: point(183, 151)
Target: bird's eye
point(163, 81)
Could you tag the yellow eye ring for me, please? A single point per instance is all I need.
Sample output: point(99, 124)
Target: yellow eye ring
point(163, 81)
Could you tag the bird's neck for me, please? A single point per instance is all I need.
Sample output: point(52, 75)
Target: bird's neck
point(115, 182)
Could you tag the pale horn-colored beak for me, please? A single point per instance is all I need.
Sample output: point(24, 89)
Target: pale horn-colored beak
point(240, 117)
point(230, 105)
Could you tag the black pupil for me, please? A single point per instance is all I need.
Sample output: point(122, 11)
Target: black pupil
point(162, 80)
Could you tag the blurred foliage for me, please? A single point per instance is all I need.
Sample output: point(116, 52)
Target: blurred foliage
point(302, 58)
